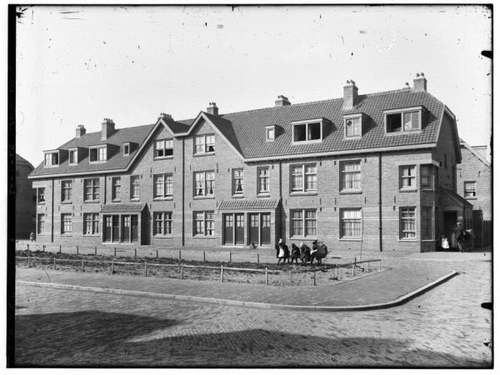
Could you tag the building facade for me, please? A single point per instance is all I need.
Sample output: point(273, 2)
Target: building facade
point(25, 204)
point(372, 172)
point(475, 185)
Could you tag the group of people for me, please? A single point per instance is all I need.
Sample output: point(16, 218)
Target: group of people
point(458, 240)
point(302, 252)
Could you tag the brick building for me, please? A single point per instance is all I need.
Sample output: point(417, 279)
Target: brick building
point(375, 171)
point(25, 204)
point(475, 185)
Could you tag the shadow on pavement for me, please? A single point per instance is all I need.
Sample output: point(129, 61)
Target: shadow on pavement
point(95, 338)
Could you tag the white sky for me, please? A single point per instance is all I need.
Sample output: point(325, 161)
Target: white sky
point(132, 63)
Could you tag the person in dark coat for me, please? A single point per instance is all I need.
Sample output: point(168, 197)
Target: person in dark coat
point(305, 253)
point(295, 254)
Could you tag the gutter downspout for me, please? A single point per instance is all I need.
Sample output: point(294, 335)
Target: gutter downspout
point(380, 201)
point(183, 195)
point(280, 226)
point(52, 214)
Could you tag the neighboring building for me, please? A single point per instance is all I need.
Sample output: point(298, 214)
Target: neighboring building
point(373, 171)
point(25, 204)
point(474, 184)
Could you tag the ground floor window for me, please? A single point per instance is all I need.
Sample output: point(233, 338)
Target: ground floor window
point(407, 223)
point(121, 228)
point(427, 223)
point(203, 223)
point(350, 223)
point(66, 223)
point(162, 223)
point(40, 223)
point(90, 223)
point(303, 223)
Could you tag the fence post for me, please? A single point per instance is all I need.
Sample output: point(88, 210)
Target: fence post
point(258, 261)
point(146, 268)
point(29, 262)
point(290, 274)
point(115, 252)
point(156, 253)
point(83, 266)
point(77, 250)
point(203, 256)
point(352, 271)
point(60, 249)
point(182, 272)
point(54, 262)
point(314, 278)
point(43, 248)
point(95, 250)
point(230, 257)
point(221, 273)
point(180, 255)
point(135, 252)
point(267, 277)
point(112, 266)
point(27, 246)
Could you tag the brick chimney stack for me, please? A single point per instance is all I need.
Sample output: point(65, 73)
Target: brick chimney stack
point(350, 95)
point(213, 109)
point(108, 128)
point(80, 130)
point(420, 83)
point(281, 101)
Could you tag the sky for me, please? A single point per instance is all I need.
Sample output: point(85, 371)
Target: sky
point(78, 65)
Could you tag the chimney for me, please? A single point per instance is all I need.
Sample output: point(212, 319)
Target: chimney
point(281, 101)
point(165, 116)
point(108, 128)
point(420, 83)
point(350, 95)
point(80, 130)
point(212, 109)
point(482, 150)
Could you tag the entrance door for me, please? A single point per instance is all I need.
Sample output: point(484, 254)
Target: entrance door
point(239, 232)
point(107, 228)
point(134, 228)
point(450, 224)
point(228, 229)
point(253, 229)
point(265, 229)
point(126, 228)
point(115, 232)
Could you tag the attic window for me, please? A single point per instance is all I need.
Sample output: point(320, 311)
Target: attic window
point(52, 159)
point(270, 133)
point(164, 148)
point(126, 149)
point(308, 131)
point(73, 156)
point(353, 126)
point(402, 121)
point(98, 154)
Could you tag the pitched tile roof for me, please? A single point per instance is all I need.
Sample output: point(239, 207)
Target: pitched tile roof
point(246, 130)
point(244, 204)
point(22, 161)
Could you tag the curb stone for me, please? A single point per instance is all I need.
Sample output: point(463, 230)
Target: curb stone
point(259, 305)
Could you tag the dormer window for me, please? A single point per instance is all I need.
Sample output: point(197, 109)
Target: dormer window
point(51, 159)
point(126, 149)
point(403, 120)
point(270, 133)
point(98, 154)
point(353, 126)
point(308, 131)
point(73, 156)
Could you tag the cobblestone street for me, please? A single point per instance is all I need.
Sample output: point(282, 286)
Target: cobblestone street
point(444, 327)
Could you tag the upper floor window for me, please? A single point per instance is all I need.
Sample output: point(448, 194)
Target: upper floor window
point(350, 175)
point(40, 195)
point(204, 144)
point(73, 156)
point(126, 149)
point(311, 131)
point(427, 177)
point(91, 189)
point(204, 184)
point(407, 177)
point(164, 148)
point(98, 154)
point(270, 133)
point(470, 189)
point(404, 120)
point(115, 188)
point(51, 159)
point(303, 178)
point(135, 187)
point(66, 187)
point(238, 181)
point(352, 126)
point(263, 180)
point(163, 185)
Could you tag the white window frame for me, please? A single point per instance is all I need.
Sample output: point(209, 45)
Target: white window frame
point(304, 174)
point(259, 180)
point(133, 178)
point(343, 220)
point(38, 201)
point(473, 191)
point(165, 141)
point(205, 220)
point(126, 146)
point(63, 189)
point(307, 124)
point(95, 197)
point(415, 213)
point(75, 150)
point(166, 220)
point(100, 154)
point(69, 229)
point(304, 225)
point(353, 117)
point(51, 163)
point(41, 230)
point(270, 133)
point(165, 181)
point(205, 184)
point(204, 143)
point(92, 219)
point(234, 171)
point(402, 111)
point(114, 196)
point(342, 174)
point(411, 177)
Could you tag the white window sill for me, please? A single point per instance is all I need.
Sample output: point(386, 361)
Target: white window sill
point(263, 195)
point(349, 239)
point(204, 154)
point(169, 198)
point(200, 197)
point(163, 157)
point(411, 190)
point(298, 193)
point(351, 191)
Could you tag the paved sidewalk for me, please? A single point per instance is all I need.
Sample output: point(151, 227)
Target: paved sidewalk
point(372, 289)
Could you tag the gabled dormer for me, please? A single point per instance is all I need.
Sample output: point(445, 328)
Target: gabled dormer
point(52, 158)
point(307, 131)
point(403, 120)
